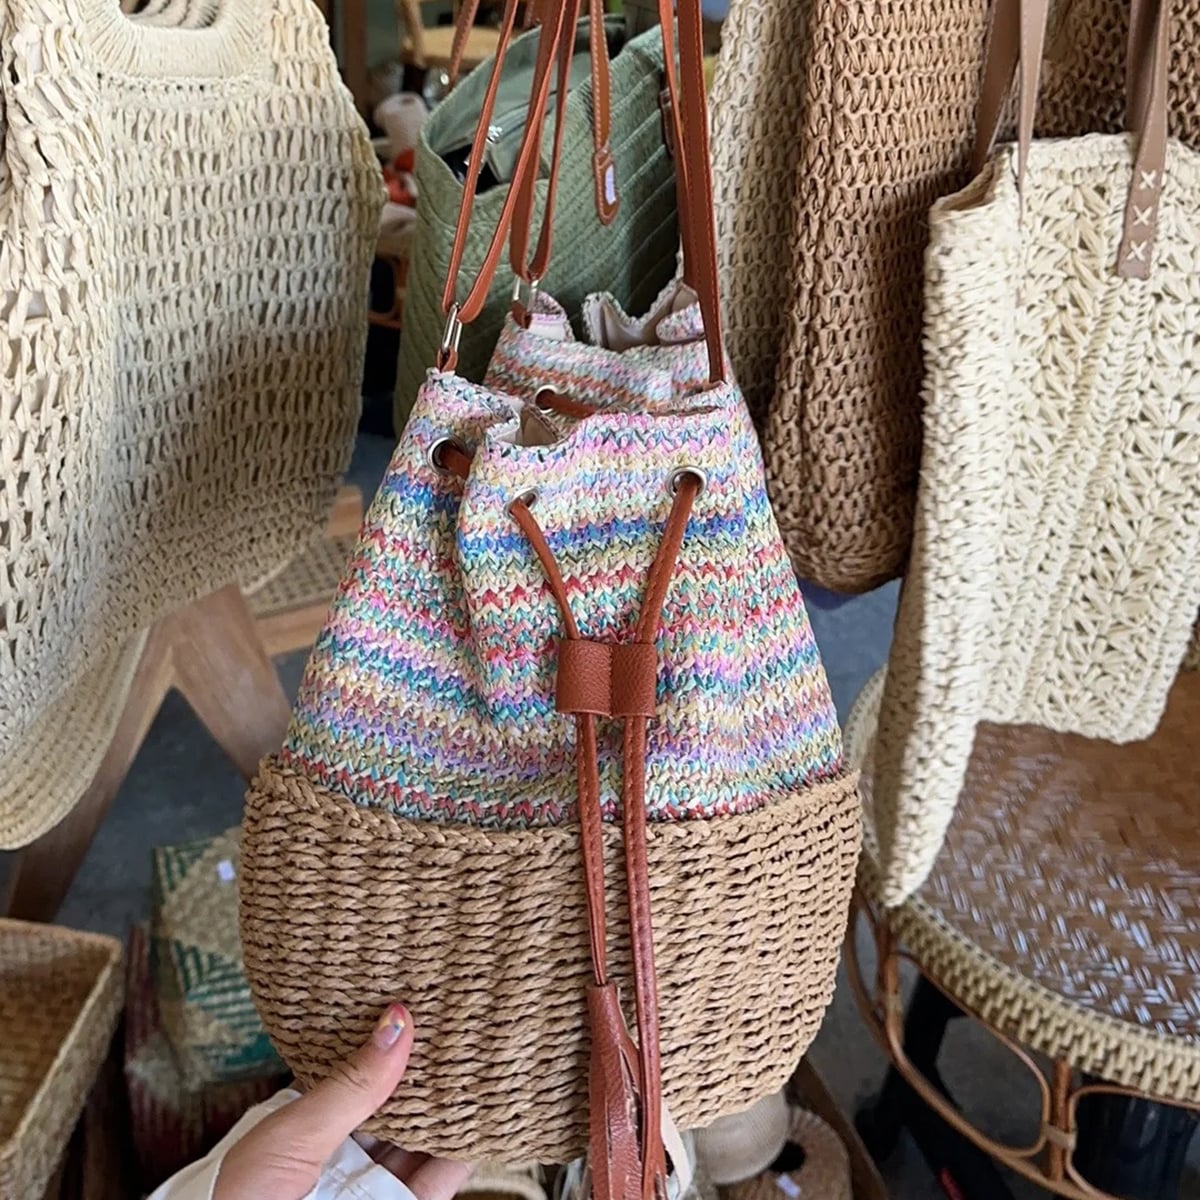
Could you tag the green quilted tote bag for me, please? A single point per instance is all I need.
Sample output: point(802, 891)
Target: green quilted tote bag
point(636, 252)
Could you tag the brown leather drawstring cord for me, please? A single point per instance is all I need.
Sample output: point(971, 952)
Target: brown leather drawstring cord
point(600, 679)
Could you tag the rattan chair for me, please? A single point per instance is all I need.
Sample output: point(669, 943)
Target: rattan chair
point(1064, 915)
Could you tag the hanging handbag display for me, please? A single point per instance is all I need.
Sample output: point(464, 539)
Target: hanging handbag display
point(832, 141)
point(564, 755)
point(187, 218)
point(629, 237)
point(1055, 573)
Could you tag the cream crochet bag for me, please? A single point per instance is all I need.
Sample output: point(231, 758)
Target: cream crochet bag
point(1055, 574)
point(187, 217)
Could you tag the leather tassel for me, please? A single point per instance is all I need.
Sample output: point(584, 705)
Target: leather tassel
point(614, 1156)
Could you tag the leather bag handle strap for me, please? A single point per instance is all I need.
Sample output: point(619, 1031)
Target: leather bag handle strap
point(464, 22)
point(604, 171)
point(1016, 45)
point(604, 168)
point(697, 224)
point(531, 272)
point(1146, 114)
point(458, 314)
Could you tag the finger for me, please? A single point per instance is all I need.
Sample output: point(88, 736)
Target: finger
point(438, 1179)
point(324, 1117)
point(400, 1162)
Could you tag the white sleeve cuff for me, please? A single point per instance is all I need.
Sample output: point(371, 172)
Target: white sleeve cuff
point(350, 1174)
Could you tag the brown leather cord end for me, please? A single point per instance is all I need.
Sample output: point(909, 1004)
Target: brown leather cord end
point(604, 170)
point(614, 1150)
point(606, 680)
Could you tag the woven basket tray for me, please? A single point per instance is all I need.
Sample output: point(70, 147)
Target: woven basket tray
point(60, 997)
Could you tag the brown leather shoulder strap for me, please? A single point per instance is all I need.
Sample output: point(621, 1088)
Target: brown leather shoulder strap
point(604, 169)
point(463, 24)
point(696, 219)
point(472, 305)
point(1016, 40)
point(533, 271)
point(1146, 111)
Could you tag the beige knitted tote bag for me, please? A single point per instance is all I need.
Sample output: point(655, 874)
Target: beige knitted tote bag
point(187, 217)
point(1055, 573)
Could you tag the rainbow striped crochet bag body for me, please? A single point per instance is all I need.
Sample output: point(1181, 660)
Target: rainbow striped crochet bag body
point(564, 763)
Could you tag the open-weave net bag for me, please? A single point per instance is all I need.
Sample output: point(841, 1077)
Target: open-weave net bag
point(187, 217)
point(836, 126)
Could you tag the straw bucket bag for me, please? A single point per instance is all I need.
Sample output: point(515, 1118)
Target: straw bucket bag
point(1055, 574)
point(566, 739)
point(187, 219)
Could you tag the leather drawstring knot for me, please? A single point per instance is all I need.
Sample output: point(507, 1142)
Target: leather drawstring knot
point(627, 1156)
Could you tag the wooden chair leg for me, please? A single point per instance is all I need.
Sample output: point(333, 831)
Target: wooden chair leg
point(222, 670)
point(212, 652)
point(42, 872)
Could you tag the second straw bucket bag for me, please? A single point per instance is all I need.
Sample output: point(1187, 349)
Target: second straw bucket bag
point(565, 745)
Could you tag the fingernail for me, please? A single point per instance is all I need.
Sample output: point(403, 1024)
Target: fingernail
point(391, 1026)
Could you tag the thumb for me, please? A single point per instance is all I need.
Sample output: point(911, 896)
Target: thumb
point(324, 1117)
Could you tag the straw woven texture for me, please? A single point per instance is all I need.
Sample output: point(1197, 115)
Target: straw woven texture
point(825, 1174)
point(418, 830)
point(172, 1124)
point(1083, 79)
point(635, 255)
point(884, 120)
point(484, 932)
point(185, 317)
point(1063, 907)
point(206, 1007)
point(837, 124)
point(656, 377)
point(1055, 573)
point(60, 997)
point(755, 104)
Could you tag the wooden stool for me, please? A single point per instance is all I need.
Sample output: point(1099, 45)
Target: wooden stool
point(216, 652)
point(1063, 914)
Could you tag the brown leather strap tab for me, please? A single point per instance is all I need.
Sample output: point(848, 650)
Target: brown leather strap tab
point(1149, 51)
point(606, 680)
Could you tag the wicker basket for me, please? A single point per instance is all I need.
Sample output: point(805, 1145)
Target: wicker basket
point(60, 997)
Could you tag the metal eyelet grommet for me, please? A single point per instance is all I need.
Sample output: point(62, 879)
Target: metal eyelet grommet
point(434, 455)
point(695, 472)
point(542, 389)
point(528, 498)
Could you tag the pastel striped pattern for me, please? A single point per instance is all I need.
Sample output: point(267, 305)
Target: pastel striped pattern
point(430, 691)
